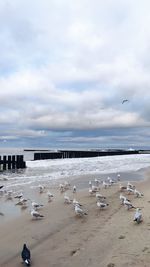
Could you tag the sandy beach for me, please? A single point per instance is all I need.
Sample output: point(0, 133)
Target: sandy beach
point(102, 238)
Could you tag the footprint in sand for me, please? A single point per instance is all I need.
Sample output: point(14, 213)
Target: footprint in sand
point(144, 249)
point(122, 237)
point(74, 252)
point(111, 265)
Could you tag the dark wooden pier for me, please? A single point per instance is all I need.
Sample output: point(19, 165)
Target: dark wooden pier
point(12, 162)
point(80, 154)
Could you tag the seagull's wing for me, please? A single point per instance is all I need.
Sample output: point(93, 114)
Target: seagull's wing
point(125, 100)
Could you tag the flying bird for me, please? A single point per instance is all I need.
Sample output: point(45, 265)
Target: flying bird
point(125, 100)
point(26, 255)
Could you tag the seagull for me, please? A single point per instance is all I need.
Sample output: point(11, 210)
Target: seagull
point(74, 189)
point(130, 190)
point(67, 200)
point(99, 196)
point(91, 192)
point(128, 204)
point(75, 202)
point(123, 198)
point(9, 194)
point(26, 255)
point(111, 181)
point(125, 100)
point(61, 188)
point(41, 188)
point(138, 216)
point(36, 205)
point(130, 185)
point(101, 205)
point(106, 185)
point(22, 201)
point(97, 182)
point(122, 188)
point(79, 211)
point(118, 176)
point(90, 184)
point(66, 185)
point(50, 196)
point(36, 214)
point(138, 194)
point(20, 195)
point(95, 188)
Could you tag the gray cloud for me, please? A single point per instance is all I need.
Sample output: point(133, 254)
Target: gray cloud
point(67, 67)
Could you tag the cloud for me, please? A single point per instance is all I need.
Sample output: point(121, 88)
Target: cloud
point(66, 67)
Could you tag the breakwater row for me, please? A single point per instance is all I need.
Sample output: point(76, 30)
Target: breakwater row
point(12, 162)
point(80, 153)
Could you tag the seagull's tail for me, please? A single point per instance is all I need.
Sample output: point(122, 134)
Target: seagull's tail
point(27, 262)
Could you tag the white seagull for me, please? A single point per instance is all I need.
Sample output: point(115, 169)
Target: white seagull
point(97, 182)
point(123, 198)
point(100, 196)
point(41, 188)
point(74, 189)
point(67, 200)
point(50, 196)
point(106, 185)
point(138, 216)
point(35, 214)
point(36, 206)
point(9, 194)
point(101, 205)
point(79, 211)
point(138, 194)
point(19, 195)
point(128, 204)
point(75, 202)
point(22, 201)
point(122, 187)
point(130, 190)
point(130, 185)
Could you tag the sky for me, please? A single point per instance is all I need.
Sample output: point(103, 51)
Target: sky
point(65, 68)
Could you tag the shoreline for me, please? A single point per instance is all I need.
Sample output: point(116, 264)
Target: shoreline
point(98, 239)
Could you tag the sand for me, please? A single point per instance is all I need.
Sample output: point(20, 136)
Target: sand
point(102, 238)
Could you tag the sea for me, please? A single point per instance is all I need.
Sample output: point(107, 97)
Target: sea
point(52, 172)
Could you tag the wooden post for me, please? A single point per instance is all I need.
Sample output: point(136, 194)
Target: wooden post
point(13, 162)
point(4, 162)
point(9, 162)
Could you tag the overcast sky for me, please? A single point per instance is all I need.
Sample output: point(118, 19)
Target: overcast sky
point(65, 68)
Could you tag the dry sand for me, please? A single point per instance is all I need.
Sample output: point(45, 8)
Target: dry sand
point(102, 238)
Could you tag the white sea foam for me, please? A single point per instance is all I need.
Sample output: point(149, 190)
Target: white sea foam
point(50, 170)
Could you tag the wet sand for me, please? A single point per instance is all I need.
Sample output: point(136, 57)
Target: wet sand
point(102, 238)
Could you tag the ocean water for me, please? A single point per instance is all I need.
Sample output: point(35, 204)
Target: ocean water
point(50, 173)
point(57, 170)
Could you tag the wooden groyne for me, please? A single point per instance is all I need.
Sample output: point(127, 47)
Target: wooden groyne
point(12, 162)
point(80, 154)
